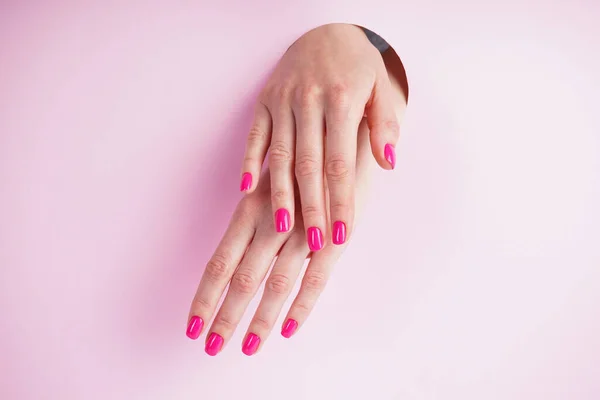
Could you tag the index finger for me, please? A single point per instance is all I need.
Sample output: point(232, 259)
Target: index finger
point(257, 144)
point(342, 119)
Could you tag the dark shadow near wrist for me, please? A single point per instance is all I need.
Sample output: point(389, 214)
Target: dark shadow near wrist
point(392, 60)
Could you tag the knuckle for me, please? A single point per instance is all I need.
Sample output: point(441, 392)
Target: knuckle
point(225, 321)
point(202, 304)
point(279, 196)
point(250, 160)
point(392, 127)
point(336, 168)
point(262, 323)
point(314, 281)
point(307, 165)
point(217, 267)
point(278, 284)
point(243, 283)
point(302, 308)
point(339, 95)
point(256, 136)
point(338, 208)
point(279, 153)
point(310, 211)
point(280, 93)
point(307, 96)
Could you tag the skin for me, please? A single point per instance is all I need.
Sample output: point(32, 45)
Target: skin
point(307, 119)
point(250, 244)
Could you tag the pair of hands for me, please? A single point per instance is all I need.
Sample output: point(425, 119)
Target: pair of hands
point(329, 103)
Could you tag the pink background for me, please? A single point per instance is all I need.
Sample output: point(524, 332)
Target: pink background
point(474, 272)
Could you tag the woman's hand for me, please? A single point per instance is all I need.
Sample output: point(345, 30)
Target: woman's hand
point(307, 119)
point(243, 258)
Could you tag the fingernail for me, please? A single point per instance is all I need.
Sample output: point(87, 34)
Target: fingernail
point(289, 328)
point(315, 239)
point(339, 232)
point(390, 155)
point(246, 182)
point(282, 220)
point(214, 344)
point(194, 327)
point(250, 344)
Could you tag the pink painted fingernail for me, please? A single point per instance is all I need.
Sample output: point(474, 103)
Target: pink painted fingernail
point(339, 232)
point(289, 328)
point(250, 344)
point(390, 155)
point(246, 182)
point(194, 327)
point(214, 344)
point(282, 220)
point(315, 239)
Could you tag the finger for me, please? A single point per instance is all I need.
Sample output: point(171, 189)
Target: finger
point(219, 270)
point(242, 288)
point(308, 112)
point(278, 286)
point(364, 164)
point(314, 281)
point(256, 148)
point(342, 120)
point(281, 159)
point(321, 263)
point(383, 123)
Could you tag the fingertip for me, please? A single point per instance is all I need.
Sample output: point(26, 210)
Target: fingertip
point(339, 233)
point(246, 182)
point(282, 220)
point(251, 344)
point(289, 328)
point(194, 328)
point(214, 344)
point(380, 159)
point(389, 153)
point(384, 150)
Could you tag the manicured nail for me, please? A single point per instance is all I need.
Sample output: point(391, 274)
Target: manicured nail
point(194, 327)
point(339, 232)
point(282, 220)
point(315, 239)
point(289, 328)
point(250, 344)
point(214, 344)
point(390, 155)
point(246, 182)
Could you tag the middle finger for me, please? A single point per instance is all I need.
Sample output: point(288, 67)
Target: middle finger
point(308, 112)
point(342, 121)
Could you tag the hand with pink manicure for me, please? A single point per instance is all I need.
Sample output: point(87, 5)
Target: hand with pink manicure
point(307, 119)
point(259, 234)
point(242, 261)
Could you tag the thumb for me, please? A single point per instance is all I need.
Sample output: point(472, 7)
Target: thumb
point(383, 124)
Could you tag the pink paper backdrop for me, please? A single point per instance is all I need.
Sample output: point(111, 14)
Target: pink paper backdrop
point(474, 272)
